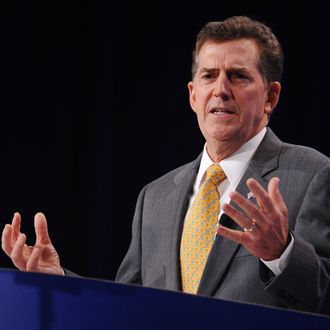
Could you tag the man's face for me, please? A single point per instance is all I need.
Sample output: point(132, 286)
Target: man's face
point(228, 93)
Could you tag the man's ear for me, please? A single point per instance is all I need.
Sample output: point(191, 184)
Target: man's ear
point(273, 95)
point(192, 99)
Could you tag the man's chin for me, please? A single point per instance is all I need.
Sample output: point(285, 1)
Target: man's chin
point(223, 135)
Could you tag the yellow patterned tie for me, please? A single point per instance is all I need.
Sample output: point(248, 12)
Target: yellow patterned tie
point(199, 229)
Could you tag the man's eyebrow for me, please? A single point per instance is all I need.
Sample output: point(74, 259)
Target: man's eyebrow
point(208, 70)
point(240, 69)
point(230, 70)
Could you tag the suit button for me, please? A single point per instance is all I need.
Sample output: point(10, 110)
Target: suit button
point(287, 296)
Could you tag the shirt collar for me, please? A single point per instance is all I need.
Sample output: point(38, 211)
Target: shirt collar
point(235, 165)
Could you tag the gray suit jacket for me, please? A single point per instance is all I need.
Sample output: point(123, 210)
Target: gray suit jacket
point(231, 272)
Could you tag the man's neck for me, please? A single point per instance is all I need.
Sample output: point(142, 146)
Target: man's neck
point(219, 151)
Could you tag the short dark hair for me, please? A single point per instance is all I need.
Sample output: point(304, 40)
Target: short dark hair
point(271, 55)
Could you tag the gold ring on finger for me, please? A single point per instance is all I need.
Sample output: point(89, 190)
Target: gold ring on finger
point(248, 230)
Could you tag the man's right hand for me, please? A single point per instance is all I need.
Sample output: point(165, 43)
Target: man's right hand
point(41, 257)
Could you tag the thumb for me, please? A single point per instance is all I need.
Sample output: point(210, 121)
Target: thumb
point(40, 225)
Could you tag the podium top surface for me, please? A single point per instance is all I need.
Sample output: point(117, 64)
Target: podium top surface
point(39, 301)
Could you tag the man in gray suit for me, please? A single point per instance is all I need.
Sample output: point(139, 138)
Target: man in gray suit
point(272, 242)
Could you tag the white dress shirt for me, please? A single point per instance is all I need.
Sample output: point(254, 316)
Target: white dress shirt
point(234, 167)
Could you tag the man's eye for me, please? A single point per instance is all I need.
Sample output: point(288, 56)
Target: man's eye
point(208, 76)
point(239, 76)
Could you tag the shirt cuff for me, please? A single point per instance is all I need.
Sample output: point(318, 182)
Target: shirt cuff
point(277, 265)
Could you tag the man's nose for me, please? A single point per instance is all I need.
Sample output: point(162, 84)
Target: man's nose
point(222, 88)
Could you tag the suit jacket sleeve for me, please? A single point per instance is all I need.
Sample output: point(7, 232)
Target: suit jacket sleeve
point(305, 282)
point(130, 268)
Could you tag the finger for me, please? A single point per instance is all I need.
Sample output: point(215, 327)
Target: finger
point(32, 263)
point(6, 242)
point(233, 235)
point(240, 218)
point(263, 199)
point(250, 209)
point(16, 224)
point(17, 252)
point(275, 194)
point(40, 225)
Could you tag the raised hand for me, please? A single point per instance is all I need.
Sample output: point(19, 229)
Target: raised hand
point(41, 257)
point(265, 225)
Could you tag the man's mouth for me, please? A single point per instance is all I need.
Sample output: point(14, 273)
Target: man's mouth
point(222, 111)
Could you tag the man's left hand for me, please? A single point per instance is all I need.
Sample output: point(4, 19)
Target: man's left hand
point(265, 225)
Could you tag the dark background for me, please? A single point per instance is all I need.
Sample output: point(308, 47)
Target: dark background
point(94, 105)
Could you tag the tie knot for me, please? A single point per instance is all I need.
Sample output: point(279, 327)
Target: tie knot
point(215, 174)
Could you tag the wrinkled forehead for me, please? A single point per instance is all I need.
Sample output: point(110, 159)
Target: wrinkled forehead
point(238, 52)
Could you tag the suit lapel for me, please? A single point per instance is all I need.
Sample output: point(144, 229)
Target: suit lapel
point(183, 182)
point(264, 161)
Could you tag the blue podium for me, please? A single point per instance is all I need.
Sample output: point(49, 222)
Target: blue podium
point(34, 301)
